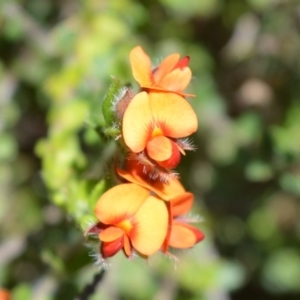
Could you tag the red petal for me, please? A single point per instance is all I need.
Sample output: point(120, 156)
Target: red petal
point(109, 249)
point(96, 229)
point(183, 63)
point(174, 159)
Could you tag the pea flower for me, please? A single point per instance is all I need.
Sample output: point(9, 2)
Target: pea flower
point(172, 75)
point(153, 125)
point(130, 218)
point(180, 233)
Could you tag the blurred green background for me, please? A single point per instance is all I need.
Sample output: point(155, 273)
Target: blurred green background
point(56, 62)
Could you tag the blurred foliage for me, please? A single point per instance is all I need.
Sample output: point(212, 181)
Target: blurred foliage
point(56, 63)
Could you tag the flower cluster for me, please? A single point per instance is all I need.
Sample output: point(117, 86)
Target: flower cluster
point(146, 212)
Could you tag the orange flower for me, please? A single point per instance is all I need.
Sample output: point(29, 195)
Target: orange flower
point(4, 294)
point(154, 121)
point(172, 75)
point(130, 219)
point(181, 234)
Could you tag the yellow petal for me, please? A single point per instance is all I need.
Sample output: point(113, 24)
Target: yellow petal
point(177, 80)
point(110, 234)
point(173, 114)
point(151, 226)
point(141, 67)
point(184, 235)
point(120, 203)
point(165, 67)
point(137, 122)
point(159, 148)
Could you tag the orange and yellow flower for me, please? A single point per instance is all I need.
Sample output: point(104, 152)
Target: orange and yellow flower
point(147, 214)
point(130, 219)
point(180, 233)
point(172, 75)
point(154, 121)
